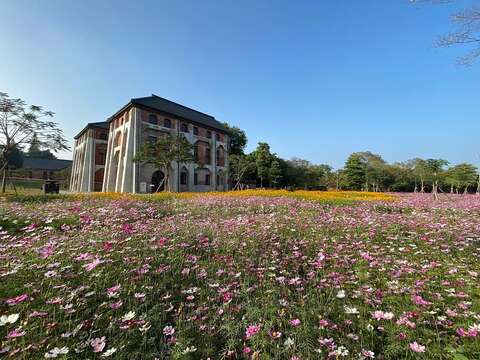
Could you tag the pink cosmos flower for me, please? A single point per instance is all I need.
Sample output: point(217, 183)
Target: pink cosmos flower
point(322, 323)
point(17, 300)
point(38, 314)
point(15, 333)
point(116, 305)
point(247, 350)
point(251, 331)
point(168, 330)
point(84, 256)
point(416, 347)
point(418, 300)
point(113, 291)
point(367, 354)
point(47, 251)
point(98, 344)
point(127, 228)
point(92, 265)
point(380, 315)
point(295, 322)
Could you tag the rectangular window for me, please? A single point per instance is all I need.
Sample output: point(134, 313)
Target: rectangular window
point(152, 119)
point(184, 128)
point(207, 156)
point(207, 179)
point(209, 134)
point(195, 130)
point(167, 123)
point(217, 136)
point(195, 179)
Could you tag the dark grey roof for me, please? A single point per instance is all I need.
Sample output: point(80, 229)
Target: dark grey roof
point(45, 164)
point(158, 103)
point(101, 125)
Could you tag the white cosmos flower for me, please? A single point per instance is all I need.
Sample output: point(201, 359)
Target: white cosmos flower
point(289, 343)
point(55, 352)
point(189, 349)
point(109, 352)
point(128, 316)
point(341, 294)
point(350, 310)
point(8, 319)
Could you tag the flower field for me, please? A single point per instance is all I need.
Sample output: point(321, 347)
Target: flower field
point(247, 275)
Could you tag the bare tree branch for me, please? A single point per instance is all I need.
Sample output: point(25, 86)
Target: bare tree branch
point(467, 33)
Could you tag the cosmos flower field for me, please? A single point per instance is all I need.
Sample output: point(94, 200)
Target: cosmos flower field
point(240, 277)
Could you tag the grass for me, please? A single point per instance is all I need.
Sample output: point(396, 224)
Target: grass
point(224, 276)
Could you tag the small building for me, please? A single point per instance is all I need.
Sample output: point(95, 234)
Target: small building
point(104, 151)
point(39, 168)
point(89, 156)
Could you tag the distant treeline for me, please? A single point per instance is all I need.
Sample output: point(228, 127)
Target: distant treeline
point(363, 171)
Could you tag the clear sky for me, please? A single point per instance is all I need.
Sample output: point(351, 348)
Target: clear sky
point(315, 79)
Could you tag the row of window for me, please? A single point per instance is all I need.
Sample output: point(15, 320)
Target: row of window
point(153, 119)
point(184, 178)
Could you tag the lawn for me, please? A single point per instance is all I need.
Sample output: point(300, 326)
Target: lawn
point(259, 274)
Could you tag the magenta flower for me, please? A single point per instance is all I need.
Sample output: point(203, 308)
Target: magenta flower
point(295, 322)
point(251, 331)
point(15, 333)
point(17, 300)
point(113, 291)
point(127, 228)
point(116, 305)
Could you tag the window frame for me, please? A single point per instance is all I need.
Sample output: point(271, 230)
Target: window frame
point(152, 116)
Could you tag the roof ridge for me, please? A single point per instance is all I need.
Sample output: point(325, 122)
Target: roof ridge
point(178, 104)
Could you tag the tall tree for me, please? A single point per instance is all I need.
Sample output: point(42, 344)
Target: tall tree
point(240, 168)
point(467, 32)
point(462, 176)
point(434, 168)
point(275, 173)
point(355, 172)
point(19, 123)
point(237, 139)
point(263, 160)
point(162, 153)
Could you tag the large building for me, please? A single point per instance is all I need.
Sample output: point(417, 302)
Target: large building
point(104, 151)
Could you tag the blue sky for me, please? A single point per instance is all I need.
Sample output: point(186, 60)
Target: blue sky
point(314, 79)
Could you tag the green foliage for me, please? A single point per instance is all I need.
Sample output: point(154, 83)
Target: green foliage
point(167, 149)
point(355, 172)
point(263, 159)
point(241, 167)
point(275, 173)
point(22, 123)
point(237, 139)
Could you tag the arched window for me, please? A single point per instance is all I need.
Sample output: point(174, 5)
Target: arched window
point(152, 119)
point(220, 158)
point(184, 177)
point(167, 123)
